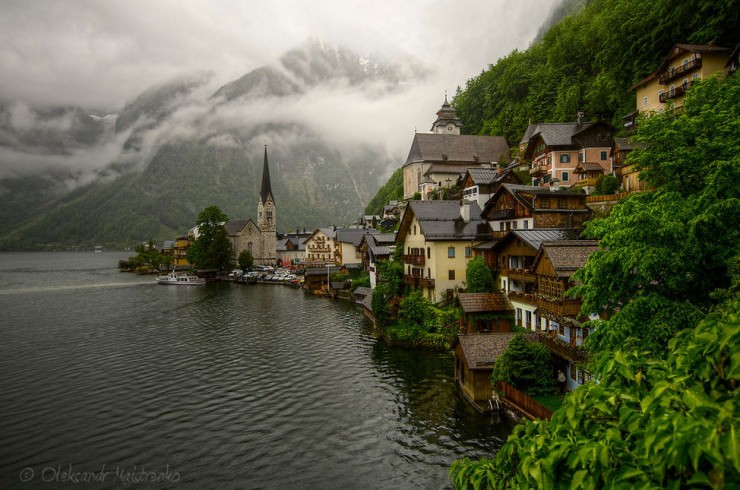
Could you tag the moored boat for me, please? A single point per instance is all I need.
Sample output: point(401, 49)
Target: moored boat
point(181, 279)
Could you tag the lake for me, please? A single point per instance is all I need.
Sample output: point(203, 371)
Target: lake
point(110, 381)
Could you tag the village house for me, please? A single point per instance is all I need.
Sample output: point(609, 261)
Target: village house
point(436, 160)
point(558, 316)
point(556, 149)
point(321, 248)
point(475, 355)
point(438, 239)
point(260, 237)
point(291, 250)
point(485, 313)
point(348, 253)
point(375, 247)
point(682, 66)
point(523, 207)
point(479, 184)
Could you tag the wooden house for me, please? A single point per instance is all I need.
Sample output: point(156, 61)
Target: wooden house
point(523, 207)
point(475, 355)
point(485, 313)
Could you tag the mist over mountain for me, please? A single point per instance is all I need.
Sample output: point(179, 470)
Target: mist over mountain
point(70, 178)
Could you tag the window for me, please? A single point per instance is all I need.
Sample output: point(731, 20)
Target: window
point(572, 371)
point(564, 158)
point(519, 317)
point(528, 320)
point(514, 225)
point(468, 252)
point(414, 229)
point(501, 226)
point(564, 177)
point(451, 274)
point(545, 203)
point(526, 224)
point(429, 253)
point(644, 101)
point(451, 252)
point(603, 155)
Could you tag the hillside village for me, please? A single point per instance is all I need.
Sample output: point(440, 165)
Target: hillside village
point(522, 210)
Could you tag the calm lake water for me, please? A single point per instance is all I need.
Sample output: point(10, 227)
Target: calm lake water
point(110, 381)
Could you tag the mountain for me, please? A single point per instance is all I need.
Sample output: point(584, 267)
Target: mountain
point(72, 179)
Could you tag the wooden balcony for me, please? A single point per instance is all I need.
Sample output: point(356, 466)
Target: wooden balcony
point(539, 170)
point(413, 259)
point(501, 214)
point(560, 307)
point(675, 92)
point(521, 275)
point(418, 282)
point(673, 73)
point(567, 351)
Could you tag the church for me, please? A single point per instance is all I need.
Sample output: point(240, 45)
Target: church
point(437, 159)
point(259, 238)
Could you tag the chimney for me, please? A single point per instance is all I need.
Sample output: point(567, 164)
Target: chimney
point(465, 210)
point(579, 121)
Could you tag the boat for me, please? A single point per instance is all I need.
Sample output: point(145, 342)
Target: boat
point(181, 279)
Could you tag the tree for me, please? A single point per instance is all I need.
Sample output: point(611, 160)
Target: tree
point(246, 261)
point(478, 276)
point(662, 414)
point(525, 366)
point(414, 310)
point(212, 249)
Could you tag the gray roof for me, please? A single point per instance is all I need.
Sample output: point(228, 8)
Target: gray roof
point(483, 175)
point(441, 220)
point(234, 226)
point(482, 350)
point(534, 238)
point(568, 256)
point(453, 148)
point(353, 236)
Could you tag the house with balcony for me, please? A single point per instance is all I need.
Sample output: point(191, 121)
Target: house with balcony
point(479, 184)
point(321, 248)
point(556, 149)
point(438, 238)
point(524, 207)
point(558, 318)
point(666, 86)
point(375, 247)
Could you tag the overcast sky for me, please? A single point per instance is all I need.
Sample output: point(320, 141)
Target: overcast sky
point(102, 53)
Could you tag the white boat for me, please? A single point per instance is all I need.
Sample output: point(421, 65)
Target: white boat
point(181, 279)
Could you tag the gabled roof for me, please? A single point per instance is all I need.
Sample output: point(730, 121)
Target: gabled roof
point(282, 245)
point(353, 236)
point(484, 302)
point(566, 256)
point(535, 238)
point(561, 134)
point(234, 226)
point(488, 176)
point(482, 350)
point(328, 232)
point(441, 220)
point(527, 195)
point(679, 49)
point(460, 148)
point(585, 167)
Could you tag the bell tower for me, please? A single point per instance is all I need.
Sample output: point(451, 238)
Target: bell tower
point(447, 121)
point(266, 218)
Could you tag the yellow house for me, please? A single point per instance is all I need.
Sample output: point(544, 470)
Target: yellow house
point(438, 239)
point(180, 255)
point(683, 65)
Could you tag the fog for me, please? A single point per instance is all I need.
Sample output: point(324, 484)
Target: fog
point(100, 55)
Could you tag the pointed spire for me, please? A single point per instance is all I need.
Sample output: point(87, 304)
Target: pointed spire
point(266, 190)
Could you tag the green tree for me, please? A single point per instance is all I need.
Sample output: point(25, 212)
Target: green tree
point(525, 366)
point(662, 414)
point(212, 249)
point(414, 310)
point(478, 277)
point(246, 261)
point(607, 184)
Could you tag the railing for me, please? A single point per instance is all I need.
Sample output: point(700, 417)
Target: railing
point(521, 275)
point(566, 351)
point(413, 259)
point(529, 405)
point(538, 170)
point(418, 282)
point(562, 307)
point(501, 214)
point(674, 92)
point(609, 197)
point(673, 73)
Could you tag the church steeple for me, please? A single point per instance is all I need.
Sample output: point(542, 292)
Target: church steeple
point(447, 121)
point(266, 190)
